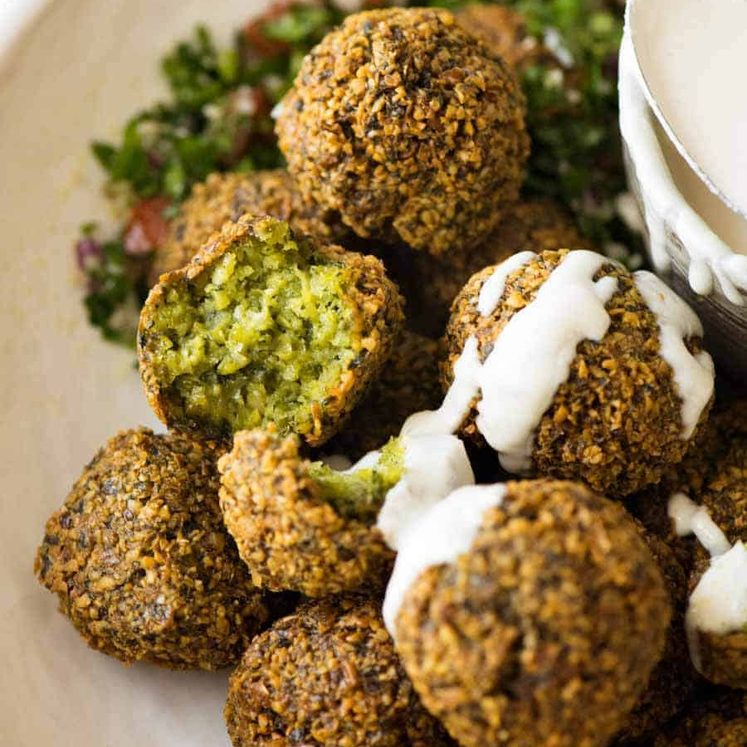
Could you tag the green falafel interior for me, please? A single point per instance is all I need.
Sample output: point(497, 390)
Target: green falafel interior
point(359, 493)
point(258, 336)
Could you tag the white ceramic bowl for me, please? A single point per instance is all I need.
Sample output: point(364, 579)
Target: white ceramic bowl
point(682, 243)
point(75, 70)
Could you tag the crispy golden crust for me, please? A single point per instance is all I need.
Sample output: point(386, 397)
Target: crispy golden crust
point(715, 718)
point(546, 631)
point(141, 562)
point(327, 676)
point(616, 422)
point(430, 284)
point(673, 677)
point(408, 127)
point(409, 383)
point(374, 299)
point(288, 536)
point(226, 197)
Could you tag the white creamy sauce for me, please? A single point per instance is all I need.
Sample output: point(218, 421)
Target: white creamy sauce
point(694, 376)
point(493, 288)
point(690, 518)
point(666, 212)
point(718, 603)
point(456, 404)
point(434, 466)
point(693, 54)
point(530, 359)
point(532, 356)
point(447, 531)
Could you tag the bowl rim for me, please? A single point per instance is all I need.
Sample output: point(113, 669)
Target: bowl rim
point(16, 20)
point(712, 262)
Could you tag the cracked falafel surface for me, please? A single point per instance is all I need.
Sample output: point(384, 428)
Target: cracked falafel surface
point(546, 630)
point(616, 421)
point(407, 126)
point(140, 560)
point(262, 327)
point(327, 676)
point(289, 536)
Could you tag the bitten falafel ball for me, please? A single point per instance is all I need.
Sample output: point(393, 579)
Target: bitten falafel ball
point(672, 679)
point(296, 524)
point(227, 197)
point(409, 382)
point(407, 126)
point(262, 327)
point(430, 284)
point(528, 613)
point(141, 562)
point(578, 369)
point(327, 676)
point(716, 718)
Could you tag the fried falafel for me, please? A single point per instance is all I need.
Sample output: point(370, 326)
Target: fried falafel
point(327, 676)
point(528, 613)
point(224, 197)
point(573, 367)
point(409, 382)
point(408, 127)
point(297, 531)
point(141, 562)
point(262, 327)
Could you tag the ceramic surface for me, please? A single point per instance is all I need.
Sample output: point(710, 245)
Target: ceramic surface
point(76, 72)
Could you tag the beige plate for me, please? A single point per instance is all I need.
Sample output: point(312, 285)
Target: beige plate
point(77, 71)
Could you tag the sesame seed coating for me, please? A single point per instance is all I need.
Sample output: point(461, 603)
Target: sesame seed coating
point(546, 630)
point(616, 421)
point(226, 197)
point(327, 676)
point(409, 127)
point(288, 536)
point(141, 562)
point(409, 383)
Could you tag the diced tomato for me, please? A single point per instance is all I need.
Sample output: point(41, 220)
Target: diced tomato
point(254, 31)
point(147, 228)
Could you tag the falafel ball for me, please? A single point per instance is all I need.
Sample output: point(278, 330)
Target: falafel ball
point(716, 718)
point(141, 562)
point(603, 369)
point(226, 197)
point(718, 481)
point(263, 327)
point(408, 127)
point(430, 284)
point(408, 383)
point(327, 676)
point(673, 678)
point(300, 525)
point(541, 622)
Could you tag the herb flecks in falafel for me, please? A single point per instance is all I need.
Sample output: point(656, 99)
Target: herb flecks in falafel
point(289, 533)
point(262, 327)
point(408, 127)
point(141, 562)
point(327, 676)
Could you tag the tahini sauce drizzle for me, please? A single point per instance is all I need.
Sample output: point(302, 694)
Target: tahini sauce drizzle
point(718, 603)
point(447, 531)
